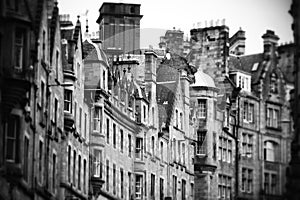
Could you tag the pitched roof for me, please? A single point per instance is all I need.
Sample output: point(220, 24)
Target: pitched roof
point(252, 64)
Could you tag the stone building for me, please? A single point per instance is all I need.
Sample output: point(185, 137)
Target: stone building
point(293, 170)
point(32, 100)
point(251, 107)
point(131, 138)
point(173, 40)
point(75, 142)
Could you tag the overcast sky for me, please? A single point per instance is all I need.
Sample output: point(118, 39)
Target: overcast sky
point(253, 16)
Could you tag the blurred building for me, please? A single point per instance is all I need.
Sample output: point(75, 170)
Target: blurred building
point(293, 170)
point(119, 27)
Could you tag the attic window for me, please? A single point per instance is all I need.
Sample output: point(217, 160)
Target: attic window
point(255, 67)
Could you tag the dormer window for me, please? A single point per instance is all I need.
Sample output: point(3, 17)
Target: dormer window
point(243, 81)
point(273, 83)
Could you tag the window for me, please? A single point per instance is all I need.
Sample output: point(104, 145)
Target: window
point(129, 145)
point(84, 175)
point(229, 151)
point(202, 108)
point(174, 186)
point(152, 188)
point(176, 118)
point(107, 131)
point(270, 183)
point(247, 145)
point(225, 149)
point(122, 182)
point(97, 163)
point(153, 116)
point(53, 172)
point(104, 81)
point(272, 117)
point(68, 101)
point(114, 136)
point(26, 158)
point(179, 151)
point(19, 48)
point(114, 179)
point(192, 190)
point(273, 83)
point(247, 180)
point(107, 175)
point(121, 140)
point(248, 114)
point(161, 151)
point(42, 95)
point(224, 186)
point(174, 149)
point(80, 117)
point(161, 189)
point(244, 82)
point(56, 64)
point(41, 153)
point(85, 124)
point(79, 172)
point(55, 110)
point(129, 185)
point(183, 189)
point(97, 119)
point(12, 139)
point(138, 148)
point(269, 151)
point(181, 121)
point(44, 45)
point(138, 186)
point(145, 114)
point(152, 145)
point(69, 163)
point(78, 74)
point(74, 167)
point(201, 147)
point(75, 113)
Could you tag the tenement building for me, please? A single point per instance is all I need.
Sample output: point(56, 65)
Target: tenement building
point(141, 142)
point(255, 133)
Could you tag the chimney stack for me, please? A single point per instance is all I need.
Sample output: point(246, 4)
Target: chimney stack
point(270, 43)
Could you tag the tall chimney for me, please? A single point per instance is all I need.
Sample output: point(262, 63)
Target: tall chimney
point(270, 43)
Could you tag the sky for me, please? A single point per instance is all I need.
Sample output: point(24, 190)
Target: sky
point(252, 16)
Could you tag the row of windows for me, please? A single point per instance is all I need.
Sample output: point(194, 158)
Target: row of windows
point(224, 187)
point(247, 145)
point(13, 154)
point(83, 117)
point(247, 180)
point(178, 119)
point(225, 150)
point(270, 183)
point(77, 172)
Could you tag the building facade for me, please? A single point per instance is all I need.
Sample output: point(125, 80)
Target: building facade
point(293, 170)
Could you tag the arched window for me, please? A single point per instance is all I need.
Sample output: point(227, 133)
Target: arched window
point(269, 151)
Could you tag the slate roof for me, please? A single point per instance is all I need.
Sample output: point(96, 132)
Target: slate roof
point(246, 63)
